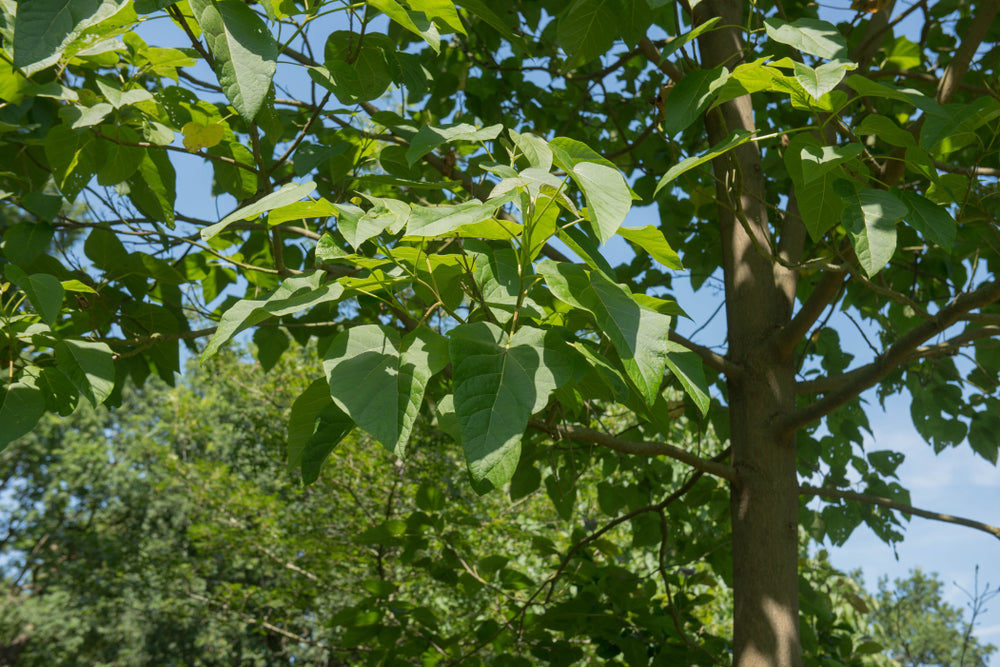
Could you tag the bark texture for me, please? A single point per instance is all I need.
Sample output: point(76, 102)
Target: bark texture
point(759, 294)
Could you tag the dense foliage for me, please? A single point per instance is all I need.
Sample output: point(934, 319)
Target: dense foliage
point(160, 533)
point(429, 191)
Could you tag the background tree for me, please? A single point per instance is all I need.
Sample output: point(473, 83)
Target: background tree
point(159, 532)
point(449, 262)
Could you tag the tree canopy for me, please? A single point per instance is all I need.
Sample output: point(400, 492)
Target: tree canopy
point(429, 191)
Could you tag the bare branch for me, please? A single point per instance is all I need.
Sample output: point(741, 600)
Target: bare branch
point(806, 490)
point(900, 352)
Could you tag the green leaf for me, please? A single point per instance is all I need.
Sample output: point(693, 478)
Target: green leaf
point(499, 384)
point(385, 214)
point(638, 334)
point(442, 10)
point(428, 138)
point(886, 130)
point(25, 241)
point(480, 10)
point(870, 220)
point(245, 53)
point(688, 99)
point(586, 30)
point(818, 202)
point(535, 149)
point(812, 36)
point(302, 418)
point(153, 188)
point(332, 426)
point(293, 295)
point(417, 23)
point(43, 28)
point(72, 157)
point(287, 194)
point(607, 194)
point(686, 367)
point(651, 239)
point(737, 138)
point(89, 366)
point(445, 219)
point(567, 153)
point(819, 160)
point(932, 221)
point(21, 406)
point(271, 343)
point(45, 292)
point(379, 380)
point(818, 81)
point(301, 210)
point(120, 162)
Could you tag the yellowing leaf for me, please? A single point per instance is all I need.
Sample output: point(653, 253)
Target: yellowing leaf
point(199, 135)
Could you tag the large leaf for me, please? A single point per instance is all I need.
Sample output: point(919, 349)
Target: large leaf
point(651, 239)
point(45, 292)
point(43, 28)
point(737, 138)
point(639, 334)
point(379, 380)
point(870, 220)
point(89, 366)
point(245, 53)
point(608, 196)
point(287, 194)
point(21, 406)
point(428, 138)
point(686, 367)
point(293, 295)
point(445, 219)
point(688, 99)
point(934, 222)
point(587, 29)
point(812, 36)
point(818, 81)
point(499, 384)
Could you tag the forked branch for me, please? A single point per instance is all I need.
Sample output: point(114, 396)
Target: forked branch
point(806, 490)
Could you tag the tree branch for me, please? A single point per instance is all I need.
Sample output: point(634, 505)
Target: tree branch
point(649, 50)
point(712, 359)
point(900, 352)
point(635, 448)
point(959, 65)
point(806, 490)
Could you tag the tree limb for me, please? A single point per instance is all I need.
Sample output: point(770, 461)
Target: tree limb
point(712, 359)
point(900, 352)
point(827, 289)
point(959, 65)
point(593, 436)
point(806, 490)
point(948, 347)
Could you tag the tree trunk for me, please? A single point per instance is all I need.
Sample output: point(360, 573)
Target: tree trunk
point(759, 300)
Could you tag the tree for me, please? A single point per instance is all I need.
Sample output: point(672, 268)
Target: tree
point(446, 251)
point(920, 628)
point(159, 532)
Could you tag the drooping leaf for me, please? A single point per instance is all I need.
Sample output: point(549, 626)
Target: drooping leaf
point(43, 291)
point(934, 222)
point(638, 334)
point(89, 366)
point(499, 384)
point(379, 380)
point(21, 406)
point(245, 53)
point(818, 81)
point(870, 218)
point(686, 367)
point(25, 241)
point(607, 194)
point(651, 239)
point(417, 23)
point(688, 100)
